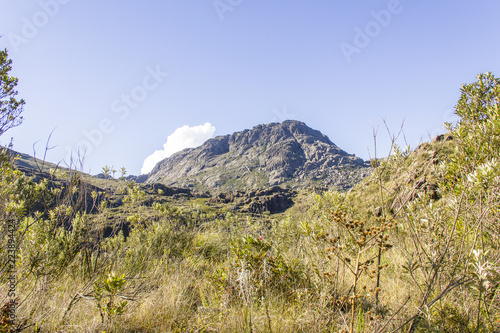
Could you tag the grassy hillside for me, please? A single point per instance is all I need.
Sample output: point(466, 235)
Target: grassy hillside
point(413, 248)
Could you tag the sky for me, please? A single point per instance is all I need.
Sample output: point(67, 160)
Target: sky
point(116, 81)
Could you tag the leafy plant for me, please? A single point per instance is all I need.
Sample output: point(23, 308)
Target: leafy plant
point(10, 107)
point(107, 296)
point(358, 246)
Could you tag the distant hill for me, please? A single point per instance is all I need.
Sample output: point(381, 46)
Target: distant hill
point(289, 154)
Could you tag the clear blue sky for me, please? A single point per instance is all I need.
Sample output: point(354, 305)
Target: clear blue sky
point(135, 71)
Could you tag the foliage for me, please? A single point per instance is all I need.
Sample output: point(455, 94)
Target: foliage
point(358, 246)
point(258, 268)
point(107, 293)
point(10, 107)
point(478, 130)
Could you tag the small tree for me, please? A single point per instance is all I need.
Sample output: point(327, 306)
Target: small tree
point(479, 110)
point(106, 171)
point(10, 107)
point(123, 172)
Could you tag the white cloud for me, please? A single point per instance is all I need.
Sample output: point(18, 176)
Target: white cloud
point(183, 137)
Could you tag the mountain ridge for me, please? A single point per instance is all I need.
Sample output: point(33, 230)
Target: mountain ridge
point(288, 154)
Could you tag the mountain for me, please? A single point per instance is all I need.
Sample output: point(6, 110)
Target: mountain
point(288, 154)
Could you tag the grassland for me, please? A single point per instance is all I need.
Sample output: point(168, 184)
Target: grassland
point(412, 248)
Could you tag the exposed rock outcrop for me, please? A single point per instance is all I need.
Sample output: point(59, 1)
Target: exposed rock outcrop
point(272, 200)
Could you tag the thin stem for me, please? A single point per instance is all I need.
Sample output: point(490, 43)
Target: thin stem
point(354, 296)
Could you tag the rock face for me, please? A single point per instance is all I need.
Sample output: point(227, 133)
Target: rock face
point(287, 154)
point(272, 200)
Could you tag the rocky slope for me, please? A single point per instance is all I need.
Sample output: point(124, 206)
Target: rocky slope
point(286, 154)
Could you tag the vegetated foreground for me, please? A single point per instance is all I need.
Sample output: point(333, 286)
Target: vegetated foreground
point(413, 248)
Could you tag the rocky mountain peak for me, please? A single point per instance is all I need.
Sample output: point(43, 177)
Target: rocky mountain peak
point(286, 153)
